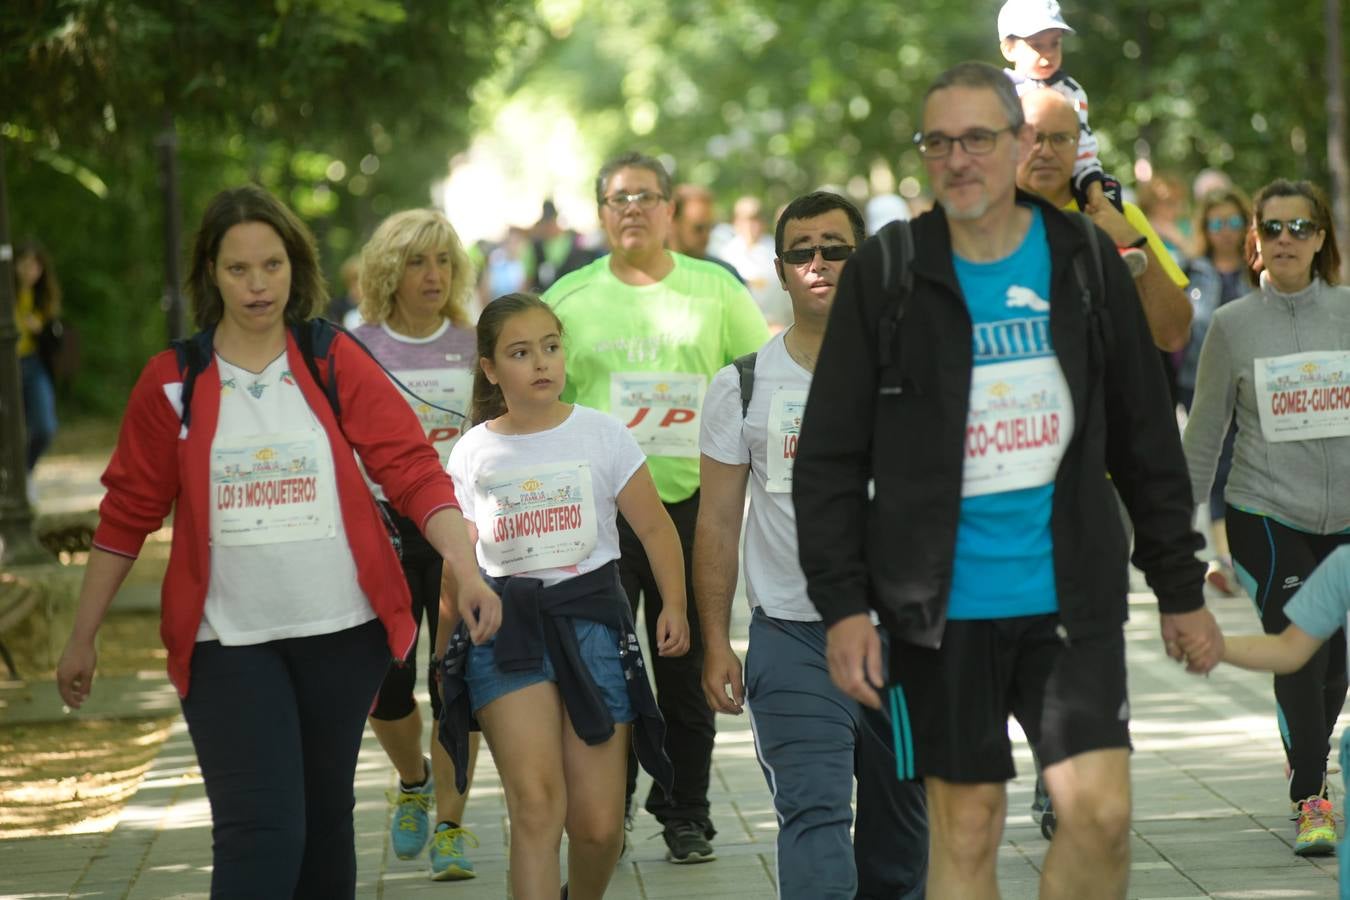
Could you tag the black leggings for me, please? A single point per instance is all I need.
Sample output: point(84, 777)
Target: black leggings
point(277, 728)
point(1272, 561)
point(690, 726)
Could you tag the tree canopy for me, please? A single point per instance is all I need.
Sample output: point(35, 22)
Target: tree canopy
point(779, 98)
point(348, 109)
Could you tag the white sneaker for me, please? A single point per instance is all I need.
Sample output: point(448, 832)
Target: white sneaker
point(1222, 578)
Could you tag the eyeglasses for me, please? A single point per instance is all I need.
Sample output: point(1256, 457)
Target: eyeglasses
point(1302, 229)
point(976, 142)
point(643, 199)
point(800, 256)
point(1057, 140)
point(1234, 222)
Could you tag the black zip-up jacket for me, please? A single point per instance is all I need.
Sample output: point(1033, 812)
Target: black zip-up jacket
point(902, 426)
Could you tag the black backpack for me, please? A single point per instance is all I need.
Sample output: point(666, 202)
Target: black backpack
point(315, 340)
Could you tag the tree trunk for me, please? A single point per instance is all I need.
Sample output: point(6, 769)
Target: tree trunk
point(1336, 158)
point(18, 546)
point(167, 143)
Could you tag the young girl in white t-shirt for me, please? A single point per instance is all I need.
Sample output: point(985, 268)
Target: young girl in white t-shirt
point(557, 689)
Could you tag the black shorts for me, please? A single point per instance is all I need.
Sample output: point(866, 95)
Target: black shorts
point(950, 706)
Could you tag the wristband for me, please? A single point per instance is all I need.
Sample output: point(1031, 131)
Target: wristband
point(1139, 244)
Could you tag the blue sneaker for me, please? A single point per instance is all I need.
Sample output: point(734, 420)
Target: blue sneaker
point(448, 862)
point(1042, 812)
point(409, 827)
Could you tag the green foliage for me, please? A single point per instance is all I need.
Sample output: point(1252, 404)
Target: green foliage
point(348, 109)
point(777, 98)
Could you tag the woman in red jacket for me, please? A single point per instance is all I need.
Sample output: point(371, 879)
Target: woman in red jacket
point(283, 599)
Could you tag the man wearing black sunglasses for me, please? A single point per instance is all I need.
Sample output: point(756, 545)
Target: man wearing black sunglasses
point(811, 739)
point(949, 477)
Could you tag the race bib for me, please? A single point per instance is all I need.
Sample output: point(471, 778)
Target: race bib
point(542, 518)
point(271, 489)
point(660, 410)
point(785, 423)
point(1020, 421)
point(1304, 396)
point(448, 388)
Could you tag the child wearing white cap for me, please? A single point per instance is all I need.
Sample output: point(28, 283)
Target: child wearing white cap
point(1030, 35)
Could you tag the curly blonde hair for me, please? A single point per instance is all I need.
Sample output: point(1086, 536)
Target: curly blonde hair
point(385, 256)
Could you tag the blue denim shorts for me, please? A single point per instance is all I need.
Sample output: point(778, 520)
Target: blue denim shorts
point(599, 649)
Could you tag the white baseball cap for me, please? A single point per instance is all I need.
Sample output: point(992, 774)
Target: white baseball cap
point(1023, 18)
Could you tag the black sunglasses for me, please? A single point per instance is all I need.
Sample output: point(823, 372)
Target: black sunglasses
point(1302, 229)
point(800, 256)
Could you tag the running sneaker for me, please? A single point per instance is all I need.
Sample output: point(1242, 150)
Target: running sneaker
point(409, 828)
point(686, 843)
point(627, 830)
point(1042, 812)
point(1316, 828)
point(448, 862)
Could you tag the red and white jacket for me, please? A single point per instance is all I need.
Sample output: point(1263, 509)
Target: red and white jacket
point(159, 467)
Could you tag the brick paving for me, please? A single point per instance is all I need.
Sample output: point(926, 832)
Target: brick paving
point(1209, 817)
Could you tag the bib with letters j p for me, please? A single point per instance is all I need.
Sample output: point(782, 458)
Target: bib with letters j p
point(1019, 422)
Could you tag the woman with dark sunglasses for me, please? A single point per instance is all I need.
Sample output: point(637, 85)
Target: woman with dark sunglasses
point(1218, 275)
point(1278, 360)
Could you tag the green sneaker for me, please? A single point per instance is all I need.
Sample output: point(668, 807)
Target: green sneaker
point(409, 828)
point(448, 862)
point(1316, 828)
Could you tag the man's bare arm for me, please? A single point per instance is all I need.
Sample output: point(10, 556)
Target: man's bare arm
point(717, 538)
point(1165, 305)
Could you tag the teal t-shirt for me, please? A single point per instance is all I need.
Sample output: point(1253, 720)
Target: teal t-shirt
point(1020, 420)
point(646, 354)
point(1320, 606)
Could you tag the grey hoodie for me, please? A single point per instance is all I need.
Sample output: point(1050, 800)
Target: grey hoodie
point(1303, 483)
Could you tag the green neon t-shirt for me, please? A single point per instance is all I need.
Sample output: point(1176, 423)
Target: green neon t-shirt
point(646, 354)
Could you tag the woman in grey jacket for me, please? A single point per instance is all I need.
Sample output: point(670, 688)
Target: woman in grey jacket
point(1279, 360)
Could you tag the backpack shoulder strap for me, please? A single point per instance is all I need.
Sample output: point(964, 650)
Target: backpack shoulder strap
point(193, 355)
point(1095, 251)
point(1099, 321)
point(897, 279)
point(315, 340)
point(745, 368)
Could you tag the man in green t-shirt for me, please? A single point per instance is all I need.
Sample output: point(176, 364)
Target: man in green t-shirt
point(645, 330)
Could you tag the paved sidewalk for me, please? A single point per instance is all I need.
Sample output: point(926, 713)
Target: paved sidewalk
point(1209, 820)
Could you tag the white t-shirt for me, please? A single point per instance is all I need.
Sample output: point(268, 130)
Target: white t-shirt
point(545, 504)
point(766, 438)
point(281, 566)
